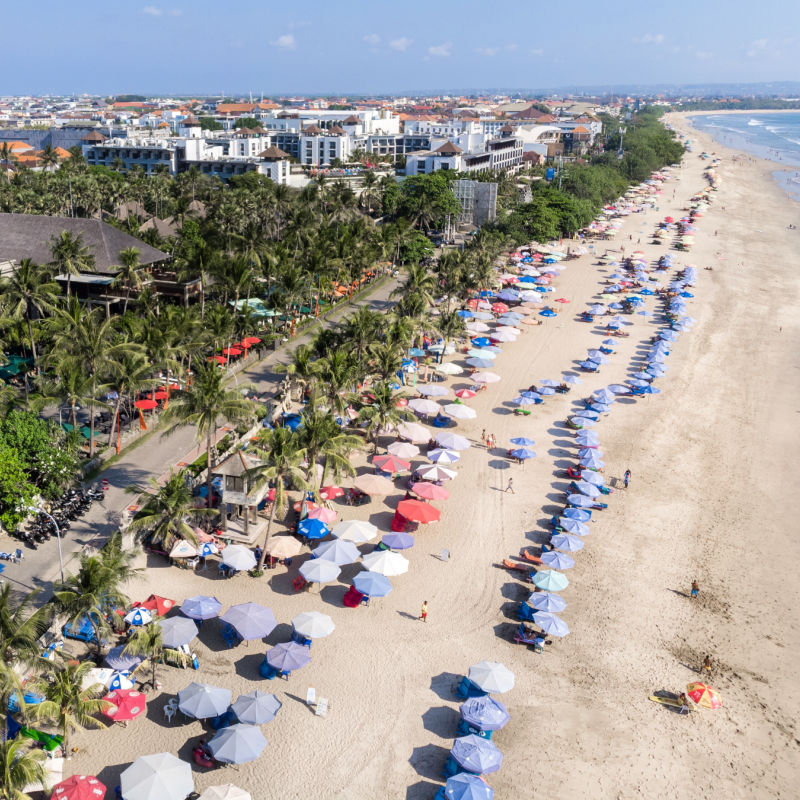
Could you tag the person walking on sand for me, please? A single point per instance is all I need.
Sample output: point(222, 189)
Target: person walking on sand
point(695, 589)
point(627, 478)
point(510, 486)
point(483, 437)
point(423, 614)
point(707, 665)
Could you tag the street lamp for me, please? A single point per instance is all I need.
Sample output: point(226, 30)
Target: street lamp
point(58, 536)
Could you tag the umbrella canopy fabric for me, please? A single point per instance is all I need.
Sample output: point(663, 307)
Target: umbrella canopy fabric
point(485, 713)
point(568, 542)
point(523, 453)
point(436, 473)
point(225, 792)
point(337, 551)
point(138, 617)
point(117, 659)
point(124, 704)
point(251, 620)
point(574, 526)
point(423, 406)
point(313, 625)
point(580, 514)
point(546, 601)
point(418, 511)
point(486, 377)
point(587, 439)
point(256, 708)
point(477, 755)
point(704, 695)
point(201, 700)
point(109, 678)
point(237, 744)
point(403, 450)
point(398, 540)
point(550, 580)
point(177, 631)
point(433, 390)
point(183, 549)
point(550, 623)
point(284, 547)
point(523, 441)
point(429, 491)
point(479, 363)
point(326, 515)
point(448, 368)
point(390, 463)
point(159, 605)
point(79, 787)
point(313, 529)
point(372, 584)
point(413, 432)
point(466, 786)
point(201, 607)
point(595, 478)
point(491, 676)
point(161, 776)
point(318, 570)
point(386, 562)
point(558, 560)
point(589, 489)
point(460, 411)
point(288, 656)
point(580, 500)
point(452, 441)
point(441, 455)
point(375, 485)
point(355, 530)
point(238, 557)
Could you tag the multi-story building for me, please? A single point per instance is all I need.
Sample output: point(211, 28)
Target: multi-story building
point(503, 154)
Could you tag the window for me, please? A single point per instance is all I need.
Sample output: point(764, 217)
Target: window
point(234, 483)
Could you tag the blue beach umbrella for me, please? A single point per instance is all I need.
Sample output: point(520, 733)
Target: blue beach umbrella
point(138, 617)
point(466, 786)
point(523, 453)
point(441, 455)
point(618, 388)
point(568, 542)
point(547, 312)
point(415, 352)
point(572, 380)
point(589, 366)
point(599, 408)
point(464, 314)
point(525, 401)
point(550, 580)
point(587, 439)
point(604, 396)
point(587, 413)
point(485, 713)
point(175, 632)
point(588, 451)
point(313, 529)
point(599, 358)
point(398, 540)
point(639, 383)
point(480, 363)
point(558, 560)
point(118, 660)
point(477, 352)
point(593, 477)
point(372, 584)
point(531, 395)
point(288, 656)
point(573, 526)
point(481, 341)
point(581, 501)
point(592, 461)
point(546, 391)
point(201, 607)
point(589, 489)
point(251, 620)
point(547, 601)
point(551, 624)
point(237, 744)
point(256, 708)
point(579, 514)
point(582, 422)
point(476, 755)
point(522, 441)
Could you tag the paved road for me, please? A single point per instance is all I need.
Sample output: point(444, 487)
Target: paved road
point(40, 568)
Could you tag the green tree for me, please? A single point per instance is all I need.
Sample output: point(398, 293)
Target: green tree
point(70, 256)
point(321, 437)
point(20, 766)
point(147, 640)
point(247, 122)
point(130, 273)
point(210, 124)
point(383, 412)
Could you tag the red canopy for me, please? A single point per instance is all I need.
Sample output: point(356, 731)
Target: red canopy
point(430, 491)
point(160, 395)
point(123, 704)
point(158, 604)
point(145, 405)
point(231, 351)
point(218, 359)
point(79, 787)
point(244, 344)
point(251, 340)
point(390, 464)
point(499, 308)
point(401, 402)
point(330, 492)
point(465, 394)
point(417, 511)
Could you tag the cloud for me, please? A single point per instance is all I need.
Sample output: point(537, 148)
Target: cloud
point(152, 11)
point(372, 39)
point(511, 47)
point(286, 42)
point(487, 51)
point(704, 55)
point(440, 50)
point(401, 45)
point(175, 12)
point(756, 48)
point(537, 52)
point(650, 38)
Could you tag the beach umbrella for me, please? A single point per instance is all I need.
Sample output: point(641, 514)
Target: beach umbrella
point(590, 366)
point(429, 491)
point(592, 461)
point(374, 485)
point(572, 380)
point(177, 631)
point(417, 511)
point(284, 547)
point(485, 713)
point(288, 656)
point(566, 541)
point(238, 557)
point(478, 327)
point(251, 620)
point(527, 399)
point(207, 549)
point(449, 368)
point(372, 584)
point(546, 390)
point(79, 787)
point(587, 439)
point(313, 625)
point(599, 359)
point(436, 473)
point(433, 390)
point(558, 560)
point(161, 776)
point(158, 604)
point(550, 580)
point(441, 455)
point(413, 432)
point(485, 377)
point(337, 551)
point(587, 413)
point(452, 441)
point(592, 477)
point(466, 786)
point(618, 388)
point(256, 708)
point(201, 700)
point(582, 422)
point(118, 660)
point(487, 354)
point(502, 336)
point(183, 549)
point(546, 601)
point(403, 450)
point(108, 678)
point(386, 562)
point(415, 352)
point(476, 755)
point(589, 489)
point(393, 464)
point(479, 363)
point(491, 676)
point(319, 570)
point(703, 695)
point(464, 314)
point(225, 792)
point(579, 514)
point(200, 607)
point(423, 406)
point(355, 530)
point(124, 704)
point(313, 529)
point(483, 315)
point(460, 411)
point(326, 515)
point(523, 441)
point(465, 394)
point(237, 744)
point(138, 617)
point(550, 623)
point(523, 453)
point(573, 526)
point(331, 492)
point(398, 540)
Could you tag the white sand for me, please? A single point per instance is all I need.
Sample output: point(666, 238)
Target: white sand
point(715, 478)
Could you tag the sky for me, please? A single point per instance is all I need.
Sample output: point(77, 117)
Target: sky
point(386, 46)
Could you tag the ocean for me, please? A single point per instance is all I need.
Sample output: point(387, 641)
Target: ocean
point(767, 135)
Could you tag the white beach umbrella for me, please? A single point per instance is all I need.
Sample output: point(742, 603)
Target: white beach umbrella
point(319, 570)
point(423, 406)
point(452, 441)
point(503, 336)
point(433, 390)
point(225, 792)
point(448, 368)
point(355, 530)
point(441, 455)
point(313, 625)
point(460, 411)
point(436, 473)
point(491, 676)
point(479, 327)
point(485, 377)
point(413, 432)
point(183, 549)
point(161, 776)
point(238, 557)
point(404, 450)
point(386, 562)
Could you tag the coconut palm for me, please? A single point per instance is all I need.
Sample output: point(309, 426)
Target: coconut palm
point(386, 359)
point(362, 329)
point(48, 158)
point(70, 255)
point(20, 766)
point(130, 274)
point(383, 412)
point(166, 510)
point(130, 374)
point(147, 640)
point(337, 374)
point(321, 437)
point(419, 282)
point(282, 456)
point(207, 401)
point(20, 626)
point(67, 704)
point(449, 325)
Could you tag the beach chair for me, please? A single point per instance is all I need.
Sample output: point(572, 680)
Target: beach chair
point(352, 598)
point(467, 689)
point(451, 767)
point(299, 583)
point(514, 565)
point(465, 729)
point(230, 635)
point(530, 558)
point(525, 612)
point(521, 637)
point(223, 720)
point(266, 670)
point(170, 708)
point(300, 639)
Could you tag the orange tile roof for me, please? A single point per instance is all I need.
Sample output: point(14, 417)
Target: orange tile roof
point(19, 147)
point(62, 153)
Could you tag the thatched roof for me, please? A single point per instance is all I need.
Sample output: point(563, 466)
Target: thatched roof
point(94, 136)
point(273, 153)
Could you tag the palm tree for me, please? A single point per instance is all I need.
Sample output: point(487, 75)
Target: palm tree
point(419, 283)
point(449, 324)
point(130, 374)
point(28, 292)
point(20, 766)
point(67, 704)
point(70, 256)
point(370, 189)
point(382, 412)
point(48, 158)
point(71, 387)
point(166, 510)
point(130, 272)
point(321, 436)
point(282, 456)
point(147, 640)
point(20, 626)
point(336, 374)
point(362, 329)
point(386, 359)
point(204, 404)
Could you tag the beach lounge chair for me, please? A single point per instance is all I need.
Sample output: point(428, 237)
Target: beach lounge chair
point(467, 689)
point(525, 612)
point(522, 637)
point(514, 565)
point(530, 558)
point(465, 729)
point(353, 598)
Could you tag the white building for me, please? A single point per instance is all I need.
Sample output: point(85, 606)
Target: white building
point(503, 154)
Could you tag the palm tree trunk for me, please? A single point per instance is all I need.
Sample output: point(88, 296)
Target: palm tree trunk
point(268, 534)
point(33, 343)
point(208, 470)
point(153, 664)
point(114, 420)
point(127, 297)
point(91, 417)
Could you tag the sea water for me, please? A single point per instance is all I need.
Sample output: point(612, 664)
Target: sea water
point(767, 135)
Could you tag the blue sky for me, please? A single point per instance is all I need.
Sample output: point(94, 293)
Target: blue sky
point(340, 46)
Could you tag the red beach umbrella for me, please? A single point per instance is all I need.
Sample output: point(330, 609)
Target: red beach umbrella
point(160, 395)
point(231, 351)
point(401, 402)
point(79, 787)
point(158, 604)
point(417, 511)
point(465, 394)
point(218, 359)
point(145, 405)
point(331, 492)
point(124, 704)
point(251, 340)
point(391, 464)
point(499, 308)
point(430, 491)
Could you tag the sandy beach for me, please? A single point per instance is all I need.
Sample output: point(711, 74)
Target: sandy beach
point(710, 499)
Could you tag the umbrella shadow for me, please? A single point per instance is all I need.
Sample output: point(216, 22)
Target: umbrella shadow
point(247, 666)
point(428, 761)
point(282, 583)
point(505, 630)
point(282, 632)
point(422, 790)
point(515, 591)
point(510, 611)
point(332, 595)
point(211, 637)
point(497, 463)
point(110, 776)
point(444, 684)
point(155, 711)
point(441, 721)
point(349, 572)
point(381, 519)
point(505, 409)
